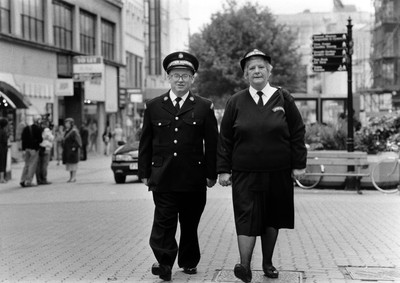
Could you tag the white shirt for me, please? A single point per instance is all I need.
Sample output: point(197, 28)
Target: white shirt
point(173, 96)
point(268, 91)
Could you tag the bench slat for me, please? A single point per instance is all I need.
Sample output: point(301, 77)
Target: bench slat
point(339, 174)
point(337, 161)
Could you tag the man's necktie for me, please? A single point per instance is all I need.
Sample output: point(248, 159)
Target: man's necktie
point(260, 101)
point(177, 106)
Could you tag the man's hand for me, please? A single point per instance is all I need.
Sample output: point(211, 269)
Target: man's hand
point(298, 173)
point(145, 181)
point(211, 183)
point(225, 179)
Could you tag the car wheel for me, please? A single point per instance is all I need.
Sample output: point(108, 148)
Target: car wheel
point(119, 178)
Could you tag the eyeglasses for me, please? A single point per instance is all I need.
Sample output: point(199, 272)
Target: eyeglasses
point(184, 77)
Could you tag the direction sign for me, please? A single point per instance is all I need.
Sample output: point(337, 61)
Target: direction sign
point(329, 52)
point(329, 45)
point(330, 68)
point(329, 60)
point(329, 37)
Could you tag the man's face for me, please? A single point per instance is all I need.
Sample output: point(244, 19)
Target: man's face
point(181, 80)
point(257, 72)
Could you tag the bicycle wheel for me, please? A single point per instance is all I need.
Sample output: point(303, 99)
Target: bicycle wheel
point(313, 183)
point(392, 164)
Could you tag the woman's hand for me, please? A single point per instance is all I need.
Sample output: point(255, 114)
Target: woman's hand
point(225, 179)
point(298, 173)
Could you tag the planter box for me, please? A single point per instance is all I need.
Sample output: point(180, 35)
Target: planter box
point(335, 182)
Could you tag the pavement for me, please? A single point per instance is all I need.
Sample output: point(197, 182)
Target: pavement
point(97, 231)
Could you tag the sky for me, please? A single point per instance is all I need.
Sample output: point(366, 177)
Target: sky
point(200, 11)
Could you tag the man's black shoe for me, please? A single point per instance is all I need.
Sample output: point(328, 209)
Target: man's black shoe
point(163, 271)
point(190, 270)
point(22, 184)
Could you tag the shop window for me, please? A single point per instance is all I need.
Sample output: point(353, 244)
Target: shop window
point(32, 20)
point(62, 28)
point(87, 33)
point(5, 16)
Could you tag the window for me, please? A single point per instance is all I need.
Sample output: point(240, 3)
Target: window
point(134, 65)
point(107, 39)
point(62, 19)
point(5, 16)
point(32, 20)
point(64, 66)
point(154, 37)
point(87, 33)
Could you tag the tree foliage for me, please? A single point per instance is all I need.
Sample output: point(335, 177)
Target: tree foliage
point(221, 44)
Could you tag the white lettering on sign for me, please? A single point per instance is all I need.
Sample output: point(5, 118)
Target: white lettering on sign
point(88, 60)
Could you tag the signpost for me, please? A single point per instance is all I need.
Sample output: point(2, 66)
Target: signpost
point(332, 53)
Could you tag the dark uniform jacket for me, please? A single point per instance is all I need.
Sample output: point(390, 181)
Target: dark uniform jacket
point(177, 151)
point(31, 137)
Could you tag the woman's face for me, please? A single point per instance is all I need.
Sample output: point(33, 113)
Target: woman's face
point(67, 125)
point(257, 72)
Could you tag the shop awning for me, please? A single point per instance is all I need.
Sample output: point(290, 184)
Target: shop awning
point(13, 95)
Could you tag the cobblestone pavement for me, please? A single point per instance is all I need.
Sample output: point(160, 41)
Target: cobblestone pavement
point(97, 231)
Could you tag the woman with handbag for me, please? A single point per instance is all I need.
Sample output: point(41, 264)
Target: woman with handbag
point(72, 143)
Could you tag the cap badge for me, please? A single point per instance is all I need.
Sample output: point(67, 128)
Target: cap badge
point(180, 56)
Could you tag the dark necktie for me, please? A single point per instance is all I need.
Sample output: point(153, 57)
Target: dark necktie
point(260, 101)
point(177, 106)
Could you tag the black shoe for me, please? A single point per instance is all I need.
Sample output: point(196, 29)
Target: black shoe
point(242, 273)
point(163, 271)
point(45, 183)
point(190, 270)
point(22, 184)
point(271, 272)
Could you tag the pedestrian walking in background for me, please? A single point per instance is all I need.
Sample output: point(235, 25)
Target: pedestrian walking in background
point(4, 135)
point(71, 148)
point(44, 154)
point(93, 137)
point(31, 138)
point(117, 135)
point(261, 146)
point(58, 140)
point(84, 132)
point(107, 135)
point(177, 161)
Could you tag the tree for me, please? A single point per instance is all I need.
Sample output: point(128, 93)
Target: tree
point(231, 33)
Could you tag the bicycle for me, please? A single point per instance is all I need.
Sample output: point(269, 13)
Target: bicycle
point(393, 163)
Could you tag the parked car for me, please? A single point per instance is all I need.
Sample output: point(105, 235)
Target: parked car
point(125, 161)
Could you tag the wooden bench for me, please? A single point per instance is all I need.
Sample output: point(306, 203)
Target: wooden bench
point(326, 163)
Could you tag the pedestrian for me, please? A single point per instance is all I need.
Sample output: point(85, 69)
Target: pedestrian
point(107, 135)
point(58, 139)
point(31, 138)
point(177, 161)
point(93, 137)
point(84, 132)
point(4, 135)
point(44, 154)
point(71, 148)
point(261, 146)
point(118, 136)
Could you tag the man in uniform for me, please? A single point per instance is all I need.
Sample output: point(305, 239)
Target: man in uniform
point(177, 161)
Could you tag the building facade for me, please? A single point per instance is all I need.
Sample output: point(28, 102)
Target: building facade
point(326, 93)
point(96, 61)
point(40, 41)
point(385, 93)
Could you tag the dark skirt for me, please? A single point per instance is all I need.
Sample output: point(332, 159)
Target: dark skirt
point(261, 200)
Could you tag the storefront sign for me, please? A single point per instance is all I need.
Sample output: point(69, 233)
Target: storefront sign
point(64, 87)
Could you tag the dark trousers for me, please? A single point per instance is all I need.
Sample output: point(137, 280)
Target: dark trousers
point(170, 207)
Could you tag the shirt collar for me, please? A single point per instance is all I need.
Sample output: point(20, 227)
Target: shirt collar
point(172, 96)
point(268, 91)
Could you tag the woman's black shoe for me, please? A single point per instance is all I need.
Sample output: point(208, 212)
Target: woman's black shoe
point(242, 273)
point(271, 272)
